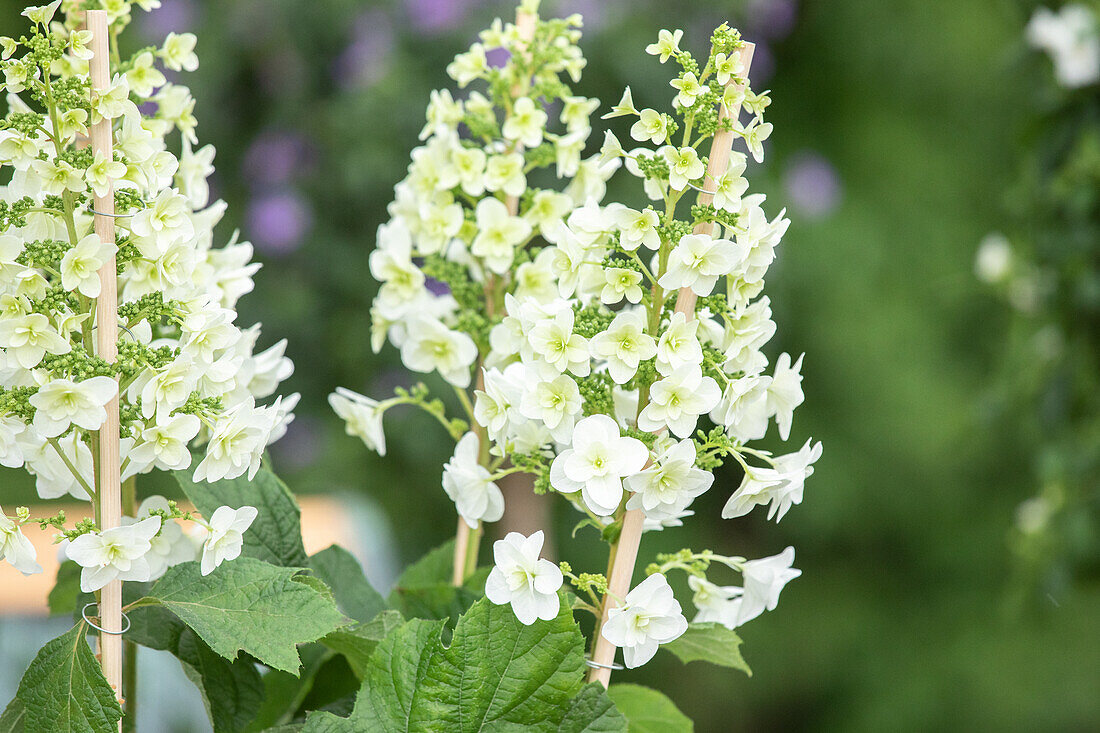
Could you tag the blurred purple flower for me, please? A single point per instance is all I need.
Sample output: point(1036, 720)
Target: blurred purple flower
point(301, 446)
point(763, 64)
point(497, 57)
point(173, 16)
point(437, 287)
point(434, 16)
point(771, 19)
point(364, 61)
point(594, 12)
point(277, 157)
point(278, 220)
point(812, 184)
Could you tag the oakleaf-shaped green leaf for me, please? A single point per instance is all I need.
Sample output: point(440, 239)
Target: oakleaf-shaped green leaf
point(710, 642)
point(276, 535)
point(497, 675)
point(648, 711)
point(232, 691)
point(64, 691)
point(248, 605)
point(342, 572)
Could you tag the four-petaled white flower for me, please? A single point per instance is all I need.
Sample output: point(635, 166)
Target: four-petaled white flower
point(698, 260)
point(62, 402)
point(524, 580)
point(668, 44)
point(30, 337)
point(469, 484)
point(621, 283)
point(652, 126)
point(624, 345)
point(650, 616)
point(526, 123)
point(164, 444)
point(684, 166)
point(727, 67)
point(689, 89)
point(638, 228)
point(785, 392)
point(362, 417)
point(597, 462)
point(225, 537)
point(499, 233)
point(80, 266)
point(431, 346)
point(677, 401)
point(553, 340)
point(669, 485)
point(114, 554)
point(716, 603)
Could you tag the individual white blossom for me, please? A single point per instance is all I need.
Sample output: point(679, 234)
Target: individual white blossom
point(523, 580)
point(668, 44)
point(469, 484)
point(15, 548)
point(362, 417)
point(114, 554)
point(431, 346)
point(697, 261)
point(649, 616)
point(764, 579)
point(715, 603)
point(624, 345)
point(1071, 36)
point(785, 392)
point(668, 486)
point(597, 462)
point(225, 535)
point(80, 265)
point(63, 402)
point(677, 401)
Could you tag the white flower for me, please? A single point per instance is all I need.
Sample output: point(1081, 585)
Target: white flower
point(624, 345)
point(499, 233)
point(668, 44)
point(226, 535)
point(730, 185)
point(764, 580)
point(519, 577)
point(683, 166)
point(553, 340)
point(993, 263)
point(62, 402)
point(554, 402)
point(362, 417)
point(236, 444)
point(597, 462)
point(785, 392)
point(171, 546)
point(677, 401)
point(80, 265)
point(1072, 38)
point(727, 67)
point(15, 548)
point(11, 441)
point(624, 108)
point(650, 616)
point(698, 261)
point(679, 344)
point(113, 102)
point(638, 228)
point(754, 135)
point(431, 346)
point(651, 126)
point(525, 124)
point(621, 283)
point(547, 209)
point(164, 445)
point(716, 603)
point(505, 173)
point(468, 66)
point(668, 486)
point(469, 484)
point(114, 554)
point(689, 89)
point(143, 76)
point(178, 52)
point(99, 176)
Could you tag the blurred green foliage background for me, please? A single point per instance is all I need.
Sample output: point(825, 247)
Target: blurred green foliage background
point(896, 123)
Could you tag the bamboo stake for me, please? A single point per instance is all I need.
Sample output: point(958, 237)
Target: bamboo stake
point(106, 318)
point(625, 555)
point(466, 538)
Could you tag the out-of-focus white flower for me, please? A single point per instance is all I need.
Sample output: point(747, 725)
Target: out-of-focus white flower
point(362, 417)
point(114, 554)
point(469, 484)
point(226, 530)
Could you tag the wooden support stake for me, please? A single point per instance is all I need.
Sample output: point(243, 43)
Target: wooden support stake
point(106, 320)
point(626, 553)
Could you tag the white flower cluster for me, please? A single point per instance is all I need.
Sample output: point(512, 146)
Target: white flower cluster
point(187, 377)
point(602, 337)
point(1071, 36)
